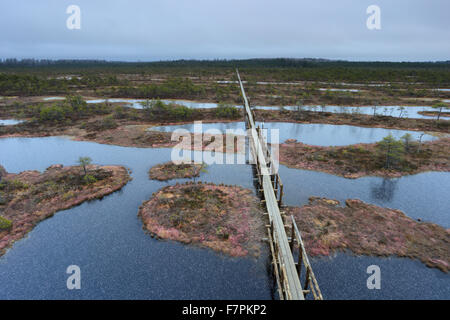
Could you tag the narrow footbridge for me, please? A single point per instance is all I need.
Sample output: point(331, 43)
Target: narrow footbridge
point(288, 273)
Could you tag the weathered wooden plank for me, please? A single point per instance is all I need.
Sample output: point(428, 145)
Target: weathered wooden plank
point(304, 257)
point(293, 289)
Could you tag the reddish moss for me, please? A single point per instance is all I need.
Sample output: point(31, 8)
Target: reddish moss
point(170, 170)
point(224, 218)
point(367, 229)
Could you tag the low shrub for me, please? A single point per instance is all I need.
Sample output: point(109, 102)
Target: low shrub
point(108, 123)
point(227, 111)
point(89, 179)
point(5, 224)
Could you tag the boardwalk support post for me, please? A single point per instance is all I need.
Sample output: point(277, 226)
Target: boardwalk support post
point(286, 271)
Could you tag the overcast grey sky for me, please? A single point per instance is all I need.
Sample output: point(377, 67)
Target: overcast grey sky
point(411, 30)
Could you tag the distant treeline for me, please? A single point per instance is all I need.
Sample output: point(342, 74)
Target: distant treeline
point(435, 73)
point(224, 63)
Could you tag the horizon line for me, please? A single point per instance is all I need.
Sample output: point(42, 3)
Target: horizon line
point(3, 60)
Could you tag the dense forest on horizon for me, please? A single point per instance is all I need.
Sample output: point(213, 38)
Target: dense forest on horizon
point(227, 63)
point(136, 79)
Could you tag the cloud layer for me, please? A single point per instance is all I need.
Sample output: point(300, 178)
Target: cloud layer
point(411, 30)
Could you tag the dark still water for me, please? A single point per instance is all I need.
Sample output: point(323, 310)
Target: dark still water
point(313, 134)
point(344, 276)
point(119, 260)
point(424, 195)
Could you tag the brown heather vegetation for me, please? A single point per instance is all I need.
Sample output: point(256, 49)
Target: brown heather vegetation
point(368, 159)
point(170, 170)
point(366, 229)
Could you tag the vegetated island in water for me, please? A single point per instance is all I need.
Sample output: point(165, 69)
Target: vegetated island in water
point(31, 196)
point(227, 219)
point(387, 158)
point(170, 170)
point(367, 229)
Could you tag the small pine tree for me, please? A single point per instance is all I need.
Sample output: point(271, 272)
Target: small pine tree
point(83, 162)
point(392, 151)
point(407, 141)
point(439, 107)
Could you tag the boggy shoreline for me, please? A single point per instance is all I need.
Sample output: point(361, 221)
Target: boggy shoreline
point(29, 197)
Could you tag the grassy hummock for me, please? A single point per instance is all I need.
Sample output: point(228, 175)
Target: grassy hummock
point(224, 218)
point(170, 170)
point(367, 229)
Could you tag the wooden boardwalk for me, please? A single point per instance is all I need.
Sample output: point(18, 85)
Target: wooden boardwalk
point(287, 272)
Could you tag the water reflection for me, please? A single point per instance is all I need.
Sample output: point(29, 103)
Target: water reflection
point(384, 190)
point(411, 194)
point(313, 134)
